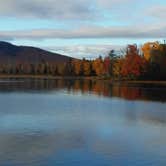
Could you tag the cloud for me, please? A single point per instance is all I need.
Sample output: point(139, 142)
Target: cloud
point(87, 51)
point(63, 9)
point(113, 3)
point(94, 12)
point(48, 9)
point(97, 32)
point(157, 11)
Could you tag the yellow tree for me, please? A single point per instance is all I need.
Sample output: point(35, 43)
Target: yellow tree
point(148, 48)
point(98, 66)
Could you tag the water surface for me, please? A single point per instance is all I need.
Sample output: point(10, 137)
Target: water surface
point(81, 122)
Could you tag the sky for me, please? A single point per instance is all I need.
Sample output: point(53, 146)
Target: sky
point(82, 28)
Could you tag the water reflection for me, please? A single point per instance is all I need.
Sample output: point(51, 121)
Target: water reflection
point(144, 92)
point(81, 122)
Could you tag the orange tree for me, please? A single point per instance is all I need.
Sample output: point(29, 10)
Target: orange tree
point(133, 65)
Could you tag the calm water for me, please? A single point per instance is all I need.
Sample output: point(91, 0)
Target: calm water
point(81, 123)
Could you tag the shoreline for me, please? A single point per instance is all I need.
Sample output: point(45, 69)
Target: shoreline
point(93, 78)
point(47, 77)
point(152, 82)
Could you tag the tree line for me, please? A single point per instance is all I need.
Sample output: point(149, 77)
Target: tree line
point(147, 62)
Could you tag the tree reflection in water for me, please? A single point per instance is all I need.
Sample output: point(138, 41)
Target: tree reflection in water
point(144, 92)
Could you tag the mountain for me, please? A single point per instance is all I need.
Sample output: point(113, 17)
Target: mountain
point(10, 53)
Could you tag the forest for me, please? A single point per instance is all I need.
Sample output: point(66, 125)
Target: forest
point(147, 62)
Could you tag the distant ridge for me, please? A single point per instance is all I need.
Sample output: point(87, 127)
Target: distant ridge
point(25, 54)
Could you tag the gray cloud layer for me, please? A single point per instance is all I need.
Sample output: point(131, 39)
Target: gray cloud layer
point(157, 31)
point(63, 9)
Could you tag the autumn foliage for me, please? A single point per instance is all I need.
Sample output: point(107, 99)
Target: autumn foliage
point(133, 64)
point(98, 66)
point(146, 62)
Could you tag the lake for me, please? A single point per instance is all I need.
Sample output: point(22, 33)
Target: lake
point(81, 123)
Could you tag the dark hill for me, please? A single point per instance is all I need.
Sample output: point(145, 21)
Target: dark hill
point(10, 53)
